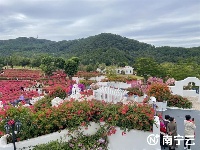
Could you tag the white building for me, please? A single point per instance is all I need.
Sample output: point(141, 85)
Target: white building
point(126, 70)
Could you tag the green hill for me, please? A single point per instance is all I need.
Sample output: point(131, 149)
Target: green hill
point(103, 48)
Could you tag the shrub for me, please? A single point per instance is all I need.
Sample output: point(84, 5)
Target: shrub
point(152, 80)
point(130, 78)
point(58, 92)
point(43, 103)
point(87, 82)
point(179, 101)
point(160, 91)
point(72, 114)
point(170, 81)
point(135, 91)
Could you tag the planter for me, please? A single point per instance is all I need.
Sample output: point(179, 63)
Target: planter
point(162, 106)
point(180, 108)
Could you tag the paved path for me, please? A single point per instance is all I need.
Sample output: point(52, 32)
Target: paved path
point(195, 103)
point(179, 116)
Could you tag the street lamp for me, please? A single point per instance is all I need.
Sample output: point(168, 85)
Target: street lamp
point(13, 126)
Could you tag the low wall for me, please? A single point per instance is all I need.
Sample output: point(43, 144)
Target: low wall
point(190, 93)
point(133, 140)
point(98, 79)
point(177, 91)
point(119, 85)
point(28, 144)
point(161, 106)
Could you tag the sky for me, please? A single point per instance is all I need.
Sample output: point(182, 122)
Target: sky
point(156, 22)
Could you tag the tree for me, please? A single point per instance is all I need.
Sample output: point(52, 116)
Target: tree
point(71, 66)
point(102, 66)
point(47, 65)
point(24, 62)
point(148, 67)
point(89, 68)
point(59, 63)
point(111, 71)
point(122, 64)
point(182, 70)
point(35, 62)
point(1, 67)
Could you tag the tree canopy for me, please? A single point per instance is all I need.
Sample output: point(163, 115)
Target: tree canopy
point(105, 48)
point(71, 66)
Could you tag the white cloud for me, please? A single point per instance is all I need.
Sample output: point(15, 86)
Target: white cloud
point(18, 16)
point(156, 22)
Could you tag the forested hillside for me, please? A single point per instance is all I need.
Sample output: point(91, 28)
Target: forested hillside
point(103, 48)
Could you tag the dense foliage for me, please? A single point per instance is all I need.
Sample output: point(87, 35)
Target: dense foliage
point(72, 114)
point(179, 101)
point(103, 48)
point(160, 91)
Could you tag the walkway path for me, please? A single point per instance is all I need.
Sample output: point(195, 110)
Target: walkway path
point(195, 103)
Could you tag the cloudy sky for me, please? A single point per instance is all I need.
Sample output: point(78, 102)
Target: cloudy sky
point(157, 22)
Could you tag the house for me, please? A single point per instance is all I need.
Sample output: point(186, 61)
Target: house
point(125, 70)
point(121, 70)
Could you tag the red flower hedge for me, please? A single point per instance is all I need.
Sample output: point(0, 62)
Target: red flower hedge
point(71, 114)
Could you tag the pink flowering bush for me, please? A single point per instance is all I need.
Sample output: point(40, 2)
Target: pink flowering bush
point(154, 80)
point(170, 81)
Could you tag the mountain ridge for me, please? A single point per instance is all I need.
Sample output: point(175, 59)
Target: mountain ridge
point(102, 48)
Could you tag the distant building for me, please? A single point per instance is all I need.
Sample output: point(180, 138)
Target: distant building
point(101, 71)
point(125, 70)
point(121, 70)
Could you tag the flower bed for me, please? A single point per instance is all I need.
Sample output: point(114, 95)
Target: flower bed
point(179, 101)
point(71, 114)
point(160, 91)
point(11, 90)
point(135, 91)
point(21, 74)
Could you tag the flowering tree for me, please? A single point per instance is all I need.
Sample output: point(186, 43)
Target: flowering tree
point(160, 91)
point(154, 80)
point(170, 81)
